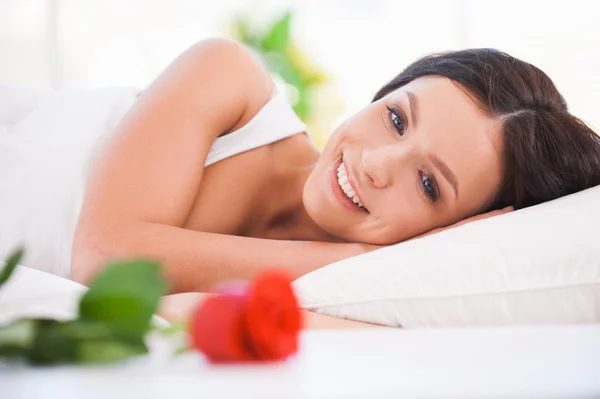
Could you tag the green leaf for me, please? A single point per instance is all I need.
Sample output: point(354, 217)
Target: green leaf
point(109, 350)
point(278, 37)
point(125, 296)
point(51, 345)
point(172, 329)
point(11, 265)
point(17, 338)
point(114, 316)
point(81, 343)
point(79, 330)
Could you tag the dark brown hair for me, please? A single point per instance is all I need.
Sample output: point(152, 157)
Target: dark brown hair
point(547, 152)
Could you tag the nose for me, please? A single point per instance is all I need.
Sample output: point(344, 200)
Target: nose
point(378, 164)
point(375, 165)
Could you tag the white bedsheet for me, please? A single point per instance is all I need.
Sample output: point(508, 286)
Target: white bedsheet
point(515, 362)
point(47, 142)
point(33, 293)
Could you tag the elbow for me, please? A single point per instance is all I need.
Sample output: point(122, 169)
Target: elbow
point(91, 251)
point(94, 247)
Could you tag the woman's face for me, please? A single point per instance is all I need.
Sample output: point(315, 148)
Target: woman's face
point(422, 157)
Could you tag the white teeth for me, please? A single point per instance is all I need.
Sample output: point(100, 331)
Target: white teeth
point(345, 185)
point(348, 190)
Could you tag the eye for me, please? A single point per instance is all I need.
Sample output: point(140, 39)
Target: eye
point(429, 186)
point(397, 120)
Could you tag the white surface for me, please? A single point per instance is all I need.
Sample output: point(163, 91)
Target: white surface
point(517, 362)
point(535, 265)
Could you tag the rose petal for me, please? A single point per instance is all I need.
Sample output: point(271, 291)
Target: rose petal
point(272, 316)
point(234, 287)
point(217, 329)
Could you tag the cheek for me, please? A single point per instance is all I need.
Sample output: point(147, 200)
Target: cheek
point(332, 146)
point(398, 219)
point(311, 190)
point(402, 224)
point(406, 213)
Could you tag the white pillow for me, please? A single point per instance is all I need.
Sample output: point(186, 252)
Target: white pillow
point(535, 265)
point(34, 293)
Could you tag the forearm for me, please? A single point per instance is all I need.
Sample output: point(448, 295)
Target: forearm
point(178, 309)
point(196, 261)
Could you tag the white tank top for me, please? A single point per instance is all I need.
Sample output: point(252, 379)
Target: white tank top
point(276, 120)
point(48, 142)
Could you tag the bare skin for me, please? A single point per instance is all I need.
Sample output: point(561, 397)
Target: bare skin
point(150, 195)
point(179, 307)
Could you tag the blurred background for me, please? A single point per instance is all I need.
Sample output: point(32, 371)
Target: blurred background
point(330, 56)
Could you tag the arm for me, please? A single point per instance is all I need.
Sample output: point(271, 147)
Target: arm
point(177, 309)
point(141, 190)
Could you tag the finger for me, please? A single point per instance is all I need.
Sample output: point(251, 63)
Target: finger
point(500, 211)
point(497, 212)
point(506, 210)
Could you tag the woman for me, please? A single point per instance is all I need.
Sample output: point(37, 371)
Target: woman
point(454, 137)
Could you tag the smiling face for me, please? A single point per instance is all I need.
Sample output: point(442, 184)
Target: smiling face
point(422, 157)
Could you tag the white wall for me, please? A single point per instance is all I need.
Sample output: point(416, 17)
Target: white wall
point(92, 43)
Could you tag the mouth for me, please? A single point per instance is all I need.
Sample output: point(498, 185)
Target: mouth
point(344, 189)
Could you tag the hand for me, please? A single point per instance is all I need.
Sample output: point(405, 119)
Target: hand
point(361, 248)
point(469, 220)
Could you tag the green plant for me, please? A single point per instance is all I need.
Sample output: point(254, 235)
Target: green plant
point(284, 58)
point(113, 319)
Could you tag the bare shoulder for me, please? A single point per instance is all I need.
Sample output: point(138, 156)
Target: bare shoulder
point(219, 76)
point(238, 66)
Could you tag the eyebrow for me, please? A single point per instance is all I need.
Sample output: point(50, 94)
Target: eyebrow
point(414, 107)
point(446, 172)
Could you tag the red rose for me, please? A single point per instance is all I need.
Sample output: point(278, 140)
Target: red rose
point(259, 321)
